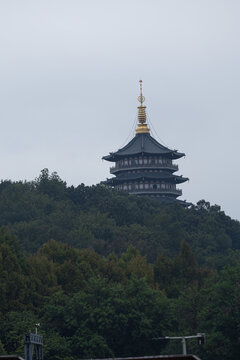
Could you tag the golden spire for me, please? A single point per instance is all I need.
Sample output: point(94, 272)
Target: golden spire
point(142, 126)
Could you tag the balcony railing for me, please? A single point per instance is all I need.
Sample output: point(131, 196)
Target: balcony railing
point(177, 192)
point(116, 168)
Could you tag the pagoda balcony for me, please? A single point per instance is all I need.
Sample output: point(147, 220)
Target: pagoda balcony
point(117, 168)
point(176, 192)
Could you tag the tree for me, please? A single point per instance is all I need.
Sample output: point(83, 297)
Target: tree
point(50, 184)
point(219, 314)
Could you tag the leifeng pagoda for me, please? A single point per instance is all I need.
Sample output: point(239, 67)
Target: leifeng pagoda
point(144, 166)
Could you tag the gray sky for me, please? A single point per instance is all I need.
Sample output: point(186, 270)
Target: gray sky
point(69, 75)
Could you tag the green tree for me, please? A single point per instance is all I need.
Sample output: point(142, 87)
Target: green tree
point(50, 184)
point(219, 314)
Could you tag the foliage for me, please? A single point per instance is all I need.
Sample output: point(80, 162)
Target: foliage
point(105, 273)
point(109, 221)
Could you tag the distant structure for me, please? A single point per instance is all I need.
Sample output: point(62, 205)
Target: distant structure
point(157, 357)
point(33, 342)
point(144, 166)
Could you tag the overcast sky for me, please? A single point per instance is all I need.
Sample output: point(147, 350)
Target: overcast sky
point(69, 73)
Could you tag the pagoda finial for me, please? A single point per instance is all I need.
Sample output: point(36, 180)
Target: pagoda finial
point(141, 98)
point(142, 126)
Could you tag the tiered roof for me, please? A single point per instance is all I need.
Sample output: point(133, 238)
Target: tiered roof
point(141, 144)
point(161, 175)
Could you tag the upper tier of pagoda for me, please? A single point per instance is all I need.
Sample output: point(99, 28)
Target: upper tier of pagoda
point(143, 143)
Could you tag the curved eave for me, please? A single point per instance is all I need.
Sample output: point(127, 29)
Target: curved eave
point(109, 157)
point(116, 157)
point(172, 200)
point(143, 144)
point(146, 176)
point(177, 155)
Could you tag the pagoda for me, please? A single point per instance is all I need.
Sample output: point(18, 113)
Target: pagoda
point(145, 167)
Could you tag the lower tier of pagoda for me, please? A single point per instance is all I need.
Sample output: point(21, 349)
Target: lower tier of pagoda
point(157, 184)
point(141, 176)
point(148, 188)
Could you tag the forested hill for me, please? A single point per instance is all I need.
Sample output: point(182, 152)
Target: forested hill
point(104, 273)
point(109, 221)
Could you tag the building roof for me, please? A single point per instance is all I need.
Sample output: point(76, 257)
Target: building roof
point(172, 200)
point(157, 357)
point(161, 175)
point(143, 143)
point(11, 357)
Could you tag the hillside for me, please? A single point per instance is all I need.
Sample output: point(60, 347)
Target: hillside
point(109, 221)
point(104, 273)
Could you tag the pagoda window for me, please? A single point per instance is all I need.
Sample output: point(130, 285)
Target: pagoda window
point(141, 186)
point(126, 162)
point(160, 160)
point(162, 186)
point(145, 161)
point(140, 161)
point(154, 186)
point(147, 186)
point(158, 186)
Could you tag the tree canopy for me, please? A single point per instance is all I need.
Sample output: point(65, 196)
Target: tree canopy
point(105, 273)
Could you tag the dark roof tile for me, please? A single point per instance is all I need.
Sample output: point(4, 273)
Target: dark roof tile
point(143, 143)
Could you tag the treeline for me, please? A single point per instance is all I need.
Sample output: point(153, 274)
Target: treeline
point(93, 306)
point(109, 221)
point(105, 273)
